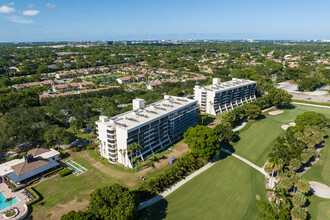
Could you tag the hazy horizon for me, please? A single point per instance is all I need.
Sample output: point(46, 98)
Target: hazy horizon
point(74, 20)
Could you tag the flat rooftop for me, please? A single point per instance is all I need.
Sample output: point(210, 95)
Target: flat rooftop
point(135, 118)
point(228, 85)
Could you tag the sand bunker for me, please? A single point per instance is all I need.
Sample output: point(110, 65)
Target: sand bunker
point(285, 127)
point(292, 124)
point(277, 112)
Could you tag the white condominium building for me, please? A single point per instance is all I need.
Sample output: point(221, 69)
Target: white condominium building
point(154, 127)
point(221, 97)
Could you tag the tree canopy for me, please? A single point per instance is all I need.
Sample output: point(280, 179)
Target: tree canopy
point(112, 202)
point(203, 141)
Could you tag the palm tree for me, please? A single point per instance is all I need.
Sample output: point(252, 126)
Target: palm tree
point(124, 152)
point(295, 164)
point(286, 183)
point(9, 199)
point(299, 199)
point(275, 164)
point(133, 149)
point(303, 186)
point(203, 118)
point(298, 213)
point(121, 153)
point(278, 196)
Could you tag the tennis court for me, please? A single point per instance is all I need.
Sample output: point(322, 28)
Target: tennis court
point(76, 168)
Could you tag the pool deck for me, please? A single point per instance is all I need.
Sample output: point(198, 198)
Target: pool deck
point(7, 192)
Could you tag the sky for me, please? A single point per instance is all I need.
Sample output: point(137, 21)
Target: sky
point(75, 20)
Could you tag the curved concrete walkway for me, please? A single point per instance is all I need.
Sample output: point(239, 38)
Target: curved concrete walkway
point(162, 195)
point(167, 192)
point(260, 169)
point(320, 189)
point(241, 125)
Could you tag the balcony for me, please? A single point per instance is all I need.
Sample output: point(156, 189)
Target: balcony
point(111, 136)
point(113, 155)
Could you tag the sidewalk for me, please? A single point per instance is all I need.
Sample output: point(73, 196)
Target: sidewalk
point(261, 170)
point(300, 103)
point(162, 195)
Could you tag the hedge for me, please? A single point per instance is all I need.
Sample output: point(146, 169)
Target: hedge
point(35, 194)
point(32, 181)
point(16, 188)
point(13, 187)
point(170, 175)
point(64, 172)
point(52, 172)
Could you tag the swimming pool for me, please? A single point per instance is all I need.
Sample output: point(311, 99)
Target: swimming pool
point(4, 204)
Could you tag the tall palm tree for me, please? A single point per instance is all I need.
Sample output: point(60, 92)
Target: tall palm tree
point(203, 118)
point(9, 199)
point(278, 195)
point(133, 149)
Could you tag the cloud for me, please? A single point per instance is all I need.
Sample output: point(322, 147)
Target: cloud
point(7, 10)
point(10, 3)
point(48, 5)
point(30, 5)
point(30, 12)
point(19, 19)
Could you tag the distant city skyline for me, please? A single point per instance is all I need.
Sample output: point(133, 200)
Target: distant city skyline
point(74, 20)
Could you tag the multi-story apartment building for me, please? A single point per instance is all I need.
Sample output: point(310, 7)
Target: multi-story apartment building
point(154, 127)
point(221, 97)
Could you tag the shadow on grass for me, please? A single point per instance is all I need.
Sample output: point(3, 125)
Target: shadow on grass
point(156, 211)
point(36, 205)
point(228, 147)
point(288, 106)
point(207, 121)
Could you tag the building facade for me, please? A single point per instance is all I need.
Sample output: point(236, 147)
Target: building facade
point(221, 97)
point(153, 127)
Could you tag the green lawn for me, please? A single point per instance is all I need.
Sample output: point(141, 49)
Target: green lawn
point(319, 208)
point(62, 194)
point(321, 170)
point(258, 138)
point(228, 190)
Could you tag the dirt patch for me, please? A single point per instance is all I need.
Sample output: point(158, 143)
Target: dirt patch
point(214, 123)
point(61, 209)
point(276, 112)
point(178, 150)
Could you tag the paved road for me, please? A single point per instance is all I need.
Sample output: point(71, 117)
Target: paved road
point(300, 103)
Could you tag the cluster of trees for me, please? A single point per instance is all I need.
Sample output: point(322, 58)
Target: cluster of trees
point(109, 202)
point(275, 97)
point(168, 176)
point(291, 152)
point(54, 115)
point(202, 141)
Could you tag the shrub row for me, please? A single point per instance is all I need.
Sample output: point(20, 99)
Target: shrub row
point(35, 195)
point(52, 172)
point(168, 176)
point(236, 115)
point(13, 187)
point(32, 181)
point(64, 172)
